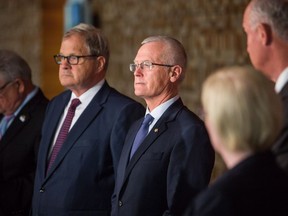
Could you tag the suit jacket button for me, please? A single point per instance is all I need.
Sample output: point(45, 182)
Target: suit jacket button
point(41, 190)
point(120, 203)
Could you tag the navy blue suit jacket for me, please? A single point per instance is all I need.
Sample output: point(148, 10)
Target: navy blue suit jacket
point(281, 146)
point(256, 186)
point(18, 155)
point(173, 163)
point(81, 180)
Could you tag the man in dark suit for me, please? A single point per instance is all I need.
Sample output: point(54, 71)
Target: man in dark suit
point(175, 159)
point(79, 180)
point(267, 46)
point(22, 108)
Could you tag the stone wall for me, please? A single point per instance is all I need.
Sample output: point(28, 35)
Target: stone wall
point(210, 30)
point(20, 31)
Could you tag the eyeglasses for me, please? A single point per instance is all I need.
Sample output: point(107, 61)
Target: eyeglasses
point(146, 65)
point(72, 59)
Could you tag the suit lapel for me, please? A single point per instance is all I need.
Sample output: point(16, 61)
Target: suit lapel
point(20, 120)
point(284, 92)
point(125, 155)
point(88, 115)
point(51, 127)
point(280, 145)
point(13, 129)
point(159, 128)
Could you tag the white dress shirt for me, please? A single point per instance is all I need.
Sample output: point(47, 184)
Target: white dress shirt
point(158, 111)
point(282, 80)
point(85, 99)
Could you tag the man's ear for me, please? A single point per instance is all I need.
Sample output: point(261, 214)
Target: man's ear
point(20, 84)
point(175, 73)
point(101, 63)
point(265, 34)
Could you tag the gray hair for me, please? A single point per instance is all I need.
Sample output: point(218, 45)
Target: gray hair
point(273, 13)
point(12, 66)
point(95, 40)
point(174, 53)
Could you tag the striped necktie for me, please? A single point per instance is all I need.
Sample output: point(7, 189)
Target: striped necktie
point(63, 131)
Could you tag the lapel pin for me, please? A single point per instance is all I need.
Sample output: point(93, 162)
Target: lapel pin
point(156, 130)
point(22, 118)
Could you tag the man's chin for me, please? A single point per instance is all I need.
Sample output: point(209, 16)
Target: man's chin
point(66, 83)
point(137, 93)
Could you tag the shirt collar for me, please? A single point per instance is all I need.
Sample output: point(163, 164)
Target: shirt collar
point(282, 80)
point(26, 100)
point(159, 110)
point(87, 96)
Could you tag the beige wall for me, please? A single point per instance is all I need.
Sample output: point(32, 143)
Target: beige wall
point(20, 31)
point(211, 31)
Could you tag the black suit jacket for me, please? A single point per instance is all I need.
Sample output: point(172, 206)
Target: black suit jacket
point(281, 146)
point(173, 163)
point(81, 179)
point(256, 186)
point(18, 154)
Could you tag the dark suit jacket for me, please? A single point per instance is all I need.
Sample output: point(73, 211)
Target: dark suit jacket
point(81, 180)
point(18, 154)
point(256, 186)
point(281, 146)
point(173, 163)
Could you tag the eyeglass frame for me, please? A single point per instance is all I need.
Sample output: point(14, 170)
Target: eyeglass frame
point(150, 65)
point(70, 56)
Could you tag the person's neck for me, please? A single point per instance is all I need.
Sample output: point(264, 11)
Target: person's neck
point(231, 159)
point(154, 102)
point(279, 59)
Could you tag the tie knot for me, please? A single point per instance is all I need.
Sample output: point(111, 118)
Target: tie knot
point(75, 102)
point(148, 119)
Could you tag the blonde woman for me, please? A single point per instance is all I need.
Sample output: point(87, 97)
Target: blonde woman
point(243, 116)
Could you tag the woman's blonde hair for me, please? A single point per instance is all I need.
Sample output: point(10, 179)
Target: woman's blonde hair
point(243, 107)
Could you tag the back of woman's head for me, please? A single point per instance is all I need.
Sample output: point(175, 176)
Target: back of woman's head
point(243, 107)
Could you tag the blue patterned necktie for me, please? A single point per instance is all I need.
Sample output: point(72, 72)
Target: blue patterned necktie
point(63, 131)
point(142, 133)
point(4, 124)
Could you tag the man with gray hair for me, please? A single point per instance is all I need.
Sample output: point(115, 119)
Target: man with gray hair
point(22, 109)
point(167, 159)
point(266, 25)
point(83, 132)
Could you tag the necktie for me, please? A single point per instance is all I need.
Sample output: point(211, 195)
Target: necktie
point(4, 124)
point(63, 131)
point(142, 133)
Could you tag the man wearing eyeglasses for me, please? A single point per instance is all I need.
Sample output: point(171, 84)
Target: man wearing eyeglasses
point(174, 160)
point(22, 109)
point(83, 132)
